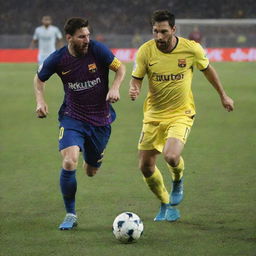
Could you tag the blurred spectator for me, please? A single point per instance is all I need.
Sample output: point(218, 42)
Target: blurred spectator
point(100, 37)
point(241, 40)
point(239, 14)
point(195, 35)
point(136, 39)
point(116, 16)
point(121, 18)
point(46, 37)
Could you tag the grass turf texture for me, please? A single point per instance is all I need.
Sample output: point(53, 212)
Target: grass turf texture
point(217, 214)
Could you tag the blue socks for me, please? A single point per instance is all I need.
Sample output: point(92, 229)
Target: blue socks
point(68, 187)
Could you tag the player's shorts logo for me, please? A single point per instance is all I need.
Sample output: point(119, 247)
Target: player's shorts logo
point(92, 67)
point(182, 63)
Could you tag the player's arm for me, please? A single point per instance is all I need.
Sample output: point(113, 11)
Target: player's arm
point(45, 71)
point(33, 44)
point(138, 73)
point(202, 64)
point(119, 69)
point(135, 87)
point(213, 78)
point(34, 41)
point(41, 106)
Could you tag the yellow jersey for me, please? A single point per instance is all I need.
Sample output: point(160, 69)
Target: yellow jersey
point(170, 77)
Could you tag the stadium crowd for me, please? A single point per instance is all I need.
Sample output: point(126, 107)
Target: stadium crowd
point(116, 16)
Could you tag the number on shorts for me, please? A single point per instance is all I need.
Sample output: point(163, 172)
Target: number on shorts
point(61, 133)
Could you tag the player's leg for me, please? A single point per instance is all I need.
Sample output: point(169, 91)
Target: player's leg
point(68, 185)
point(152, 175)
point(150, 145)
point(40, 58)
point(177, 135)
point(154, 180)
point(94, 147)
point(90, 170)
point(70, 144)
point(68, 182)
point(172, 154)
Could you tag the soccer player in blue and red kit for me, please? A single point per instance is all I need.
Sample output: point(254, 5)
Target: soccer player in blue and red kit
point(86, 113)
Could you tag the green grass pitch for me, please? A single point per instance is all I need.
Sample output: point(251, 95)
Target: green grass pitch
point(218, 214)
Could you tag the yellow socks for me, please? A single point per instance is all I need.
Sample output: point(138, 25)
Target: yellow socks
point(156, 185)
point(177, 172)
point(156, 182)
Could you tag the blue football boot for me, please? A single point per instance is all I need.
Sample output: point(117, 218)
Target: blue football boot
point(176, 195)
point(172, 214)
point(69, 222)
point(168, 213)
point(161, 216)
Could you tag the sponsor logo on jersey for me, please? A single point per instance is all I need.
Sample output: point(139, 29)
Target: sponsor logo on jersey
point(182, 63)
point(166, 78)
point(92, 67)
point(80, 86)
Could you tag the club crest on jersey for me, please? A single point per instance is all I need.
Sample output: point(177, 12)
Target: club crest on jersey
point(92, 68)
point(182, 63)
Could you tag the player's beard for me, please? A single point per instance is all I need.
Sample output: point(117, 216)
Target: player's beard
point(80, 50)
point(164, 45)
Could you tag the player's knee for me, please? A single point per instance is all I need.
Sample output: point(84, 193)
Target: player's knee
point(69, 163)
point(90, 171)
point(172, 159)
point(147, 168)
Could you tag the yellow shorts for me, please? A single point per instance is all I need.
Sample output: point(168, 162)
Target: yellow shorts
point(155, 134)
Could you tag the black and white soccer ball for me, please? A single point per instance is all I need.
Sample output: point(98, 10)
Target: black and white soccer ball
point(127, 227)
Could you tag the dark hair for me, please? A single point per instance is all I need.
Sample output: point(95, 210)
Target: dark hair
point(163, 15)
point(73, 24)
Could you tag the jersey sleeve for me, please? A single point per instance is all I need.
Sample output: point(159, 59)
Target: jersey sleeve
point(140, 67)
point(48, 68)
point(103, 53)
point(115, 64)
point(201, 61)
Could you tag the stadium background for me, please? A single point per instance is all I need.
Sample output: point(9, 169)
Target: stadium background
point(125, 24)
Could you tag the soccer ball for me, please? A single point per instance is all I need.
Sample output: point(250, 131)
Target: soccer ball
point(127, 227)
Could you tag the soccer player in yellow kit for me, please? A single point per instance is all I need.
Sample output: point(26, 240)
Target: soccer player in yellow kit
point(169, 108)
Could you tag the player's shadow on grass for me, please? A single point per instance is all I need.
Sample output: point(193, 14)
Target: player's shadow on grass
point(93, 228)
point(217, 226)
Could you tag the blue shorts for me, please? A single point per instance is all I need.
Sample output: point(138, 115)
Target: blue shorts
point(92, 140)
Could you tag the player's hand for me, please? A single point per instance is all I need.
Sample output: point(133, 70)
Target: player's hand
point(134, 92)
point(113, 95)
point(41, 110)
point(227, 103)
